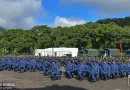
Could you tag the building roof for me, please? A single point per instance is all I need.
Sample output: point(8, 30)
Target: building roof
point(127, 50)
point(91, 49)
point(58, 49)
point(112, 49)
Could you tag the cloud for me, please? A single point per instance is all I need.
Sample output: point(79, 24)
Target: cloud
point(20, 13)
point(62, 21)
point(103, 6)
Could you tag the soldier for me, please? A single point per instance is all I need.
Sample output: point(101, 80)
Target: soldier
point(114, 69)
point(64, 62)
point(58, 64)
point(40, 65)
point(75, 66)
point(69, 69)
point(94, 71)
point(1, 67)
point(122, 69)
point(54, 71)
point(21, 66)
point(45, 68)
point(4, 63)
point(9, 63)
point(32, 65)
point(16, 65)
point(27, 64)
point(127, 68)
point(81, 70)
point(86, 69)
point(105, 70)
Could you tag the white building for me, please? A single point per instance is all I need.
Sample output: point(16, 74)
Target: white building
point(58, 52)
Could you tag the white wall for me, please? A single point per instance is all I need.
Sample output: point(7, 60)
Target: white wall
point(59, 51)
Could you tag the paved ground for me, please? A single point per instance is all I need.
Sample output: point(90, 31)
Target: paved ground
point(36, 81)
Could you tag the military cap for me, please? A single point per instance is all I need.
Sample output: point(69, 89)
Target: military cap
point(104, 59)
point(122, 61)
point(94, 61)
point(80, 60)
point(113, 60)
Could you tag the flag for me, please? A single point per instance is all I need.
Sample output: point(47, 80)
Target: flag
point(105, 55)
point(120, 45)
point(110, 55)
point(120, 49)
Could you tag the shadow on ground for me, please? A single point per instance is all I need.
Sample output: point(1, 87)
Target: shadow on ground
point(54, 87)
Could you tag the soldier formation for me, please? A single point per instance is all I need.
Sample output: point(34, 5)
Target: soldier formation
point(81, 68)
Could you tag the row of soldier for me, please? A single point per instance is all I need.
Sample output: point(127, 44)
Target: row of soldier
point(91, 69)
point(97, 70)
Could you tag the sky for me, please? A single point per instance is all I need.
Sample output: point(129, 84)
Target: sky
point(28, 13)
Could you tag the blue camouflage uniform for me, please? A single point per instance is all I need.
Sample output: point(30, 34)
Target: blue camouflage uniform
point(64, 62)
point(69, 70)
point(46, 68)
point(58, 64)
point(27, 64)
point(122, 69)
point(9, 63)
point(1, 68)
point(86, 69)
point(40, 66)
point(16, 65)
point(94, 71)
point(105, 70)
point(75, 67)
point(32, 65)
point(54, 71)
point(114, 70)
point(128, 68)
point(89, 64)
point(4, 63)
point(21, 66)
point(81, 70)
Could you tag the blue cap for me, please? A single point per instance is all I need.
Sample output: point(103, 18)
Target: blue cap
point(94, 61)
point(121, 61)
point(68, 59)
point(104, 59)
point(80, 60)
point(53, 61)
point(113, 60)
point(75, 59)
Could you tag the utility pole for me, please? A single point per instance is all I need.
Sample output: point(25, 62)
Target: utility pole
point(52, 46)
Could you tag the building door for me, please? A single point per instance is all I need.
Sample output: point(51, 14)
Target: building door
point(55, 54)
point(39, 54)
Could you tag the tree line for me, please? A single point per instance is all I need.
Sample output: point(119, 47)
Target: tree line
point(90, 35)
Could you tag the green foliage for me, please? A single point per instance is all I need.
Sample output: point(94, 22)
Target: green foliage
point(119, 21)
point(99, 35)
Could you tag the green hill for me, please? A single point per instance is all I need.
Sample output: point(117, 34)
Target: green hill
point(1, 29)
point(119, 21)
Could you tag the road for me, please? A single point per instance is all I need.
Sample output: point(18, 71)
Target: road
point(36, 81)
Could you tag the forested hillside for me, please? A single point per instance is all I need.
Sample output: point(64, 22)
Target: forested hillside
point(89, 35)
point(119, 21)
point(1, 29)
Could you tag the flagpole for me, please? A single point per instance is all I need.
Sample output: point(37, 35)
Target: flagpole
point(120, 49)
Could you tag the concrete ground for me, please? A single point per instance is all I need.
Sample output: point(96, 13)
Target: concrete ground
point(36, 81)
